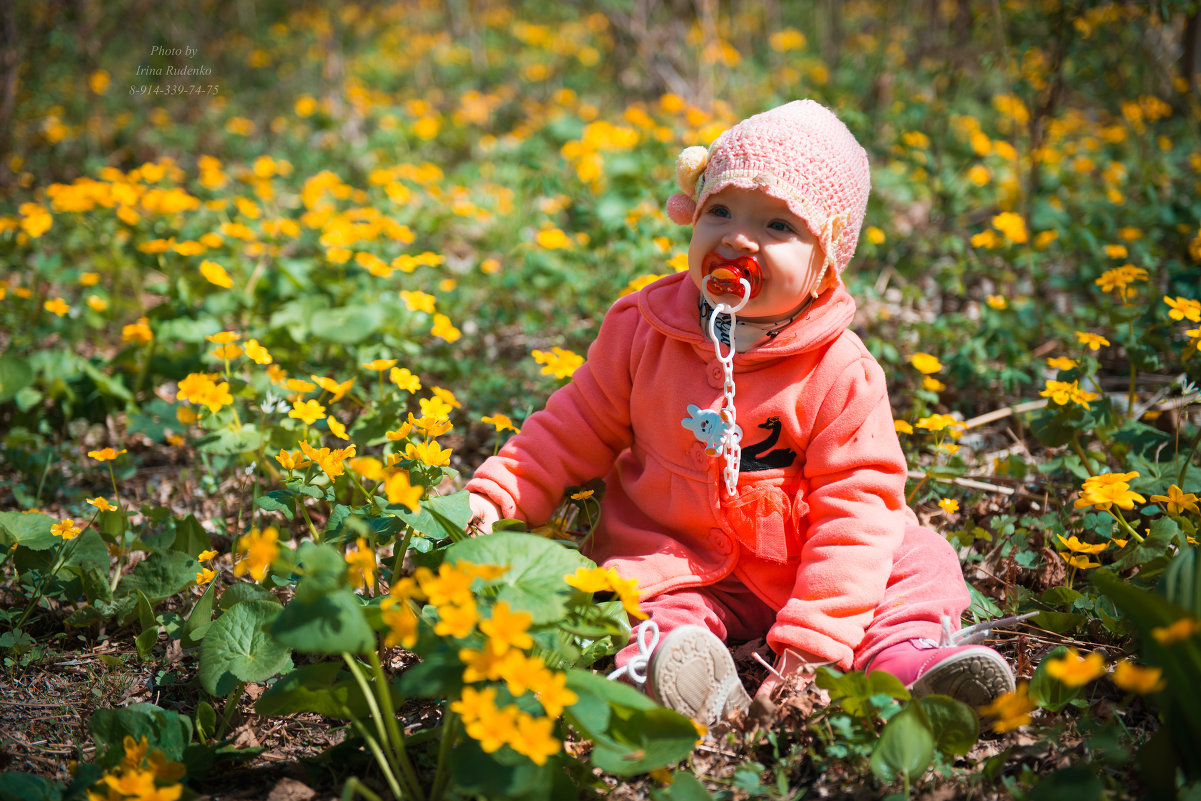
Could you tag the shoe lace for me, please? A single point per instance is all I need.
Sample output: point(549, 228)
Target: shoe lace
point(647, 637)
point(973, 633)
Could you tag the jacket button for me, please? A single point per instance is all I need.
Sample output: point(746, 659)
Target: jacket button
point(721, 541)
point(717, 376)
point(699, 457)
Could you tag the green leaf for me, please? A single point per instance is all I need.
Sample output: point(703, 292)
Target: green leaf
point(905, 748)
point(1047, 691)
point(246, 439)
point(206, 721)
point(686, 787)
point(536, 567)
point(280, 500)
point(15, 374)
point(26, 786)
point(637, 735)
point(346, 325)
point(164, 730)
point(160, 575)
point(1078, 782)
point(237, 648)
point(1181, 582)
point(954, 724)
point(324, 688)
point(325, 624)
point(145, 643)
point(200, 618)
point(30, 530)
point(244, 591)
point(438, 516)
point(190, 536)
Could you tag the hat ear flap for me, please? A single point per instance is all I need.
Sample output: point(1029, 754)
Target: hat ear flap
point(681, 209)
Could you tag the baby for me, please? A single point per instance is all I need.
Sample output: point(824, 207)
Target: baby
point(755, 483)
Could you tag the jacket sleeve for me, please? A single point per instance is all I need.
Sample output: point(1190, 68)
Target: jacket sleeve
point(856, 474)
point(578, 434)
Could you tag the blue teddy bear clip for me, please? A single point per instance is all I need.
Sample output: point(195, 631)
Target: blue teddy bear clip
point(709, 427)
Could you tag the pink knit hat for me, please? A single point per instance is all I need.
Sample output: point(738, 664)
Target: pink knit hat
point(799, 153)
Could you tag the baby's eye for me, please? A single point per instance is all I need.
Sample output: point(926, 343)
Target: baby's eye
point(720, 211)
point(780, 225)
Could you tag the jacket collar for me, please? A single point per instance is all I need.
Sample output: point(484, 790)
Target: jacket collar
point(670, 305)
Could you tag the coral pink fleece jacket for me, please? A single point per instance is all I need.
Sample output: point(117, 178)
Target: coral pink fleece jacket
point(820, 506)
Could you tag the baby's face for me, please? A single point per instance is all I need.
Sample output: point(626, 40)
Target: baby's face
point(736, 223)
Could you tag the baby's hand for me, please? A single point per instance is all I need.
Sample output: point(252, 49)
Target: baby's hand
point(793, 666)
point(484, 513)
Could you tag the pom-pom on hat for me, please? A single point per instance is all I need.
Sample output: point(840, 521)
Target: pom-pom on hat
point(799, 153)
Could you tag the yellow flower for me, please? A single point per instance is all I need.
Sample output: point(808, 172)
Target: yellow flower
point(401, 491)
point(138, 332)
point(590, 580)
point(1012, 226)
point(379, 365)
point(398, 615)
point(1011, 710)
point(1120, 279)
point(627, 593)
point(291, 461)
point(559, 362)
point(66, 529)
point(534, 739)
point(902, 427)
point(337, 391)
point(215, 274)
point(1093, 341)
point(925, 363)
point(949, 505)
point(330, 461)
point(1062, 363)
point(1072, 543)
point(308, 412)
point(508, 629)
point(550, 688)
point(501, 422)
point(939, 422)
point(102, 504)
point(1179, 631)
point(224, 337)
point(430, 453)
point(447, 397)
point(435, 408)
point(1062, 393)
point(997, 302)
point(258, 550)
point(96, 303)
point(225, 352)
point(57, 306)
point(1074, 670)
point(932, 384)
point(106, 454)
point(257, 352)
point(1177, 501)
point(450, 585)
point(335, 427)
point(1078, 561)
point(204, 576)
point(457, 621)
point(401, 377)
point(582, 495)
point(204, 556)
point(1108, 489)
point(486, 664)
point(444, 329)
point(552, 239)
point(1184, 309)
point(429, 427)
point(360, 564)
point(1137, 679)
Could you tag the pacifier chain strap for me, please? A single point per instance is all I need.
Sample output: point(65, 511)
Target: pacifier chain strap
point(731, 441)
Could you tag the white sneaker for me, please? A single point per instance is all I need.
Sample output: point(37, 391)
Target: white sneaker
point(693, 673)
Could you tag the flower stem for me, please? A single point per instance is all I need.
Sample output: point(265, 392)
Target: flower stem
point(1129, 529)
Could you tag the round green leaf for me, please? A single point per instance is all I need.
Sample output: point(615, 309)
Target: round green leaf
point(905, 748)
point(326, 624)
point(237, 648)
point(954, 725)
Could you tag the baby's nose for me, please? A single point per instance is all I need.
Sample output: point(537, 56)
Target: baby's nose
point(741, 240)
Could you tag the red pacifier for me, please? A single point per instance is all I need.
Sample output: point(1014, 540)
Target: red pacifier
point(726, 276)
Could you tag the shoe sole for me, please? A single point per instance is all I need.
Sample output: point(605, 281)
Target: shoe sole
point(976, 678)
point(693, 673)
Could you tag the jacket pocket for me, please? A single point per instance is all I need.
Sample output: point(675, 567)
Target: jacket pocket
point(769, 520)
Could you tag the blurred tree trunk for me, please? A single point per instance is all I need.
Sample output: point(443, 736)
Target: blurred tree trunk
point(1190, 61)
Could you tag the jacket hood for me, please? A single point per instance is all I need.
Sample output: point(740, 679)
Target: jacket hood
point(671, 307)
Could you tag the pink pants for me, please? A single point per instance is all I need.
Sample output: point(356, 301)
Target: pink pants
point(926, 583)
